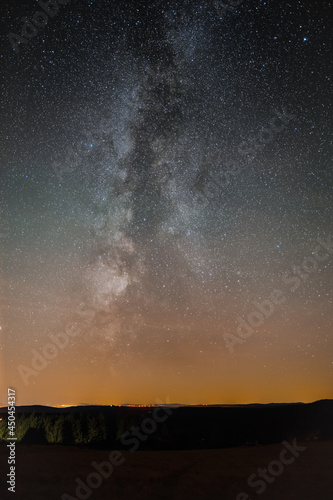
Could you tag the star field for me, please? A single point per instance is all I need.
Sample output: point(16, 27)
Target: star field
point(165, 166)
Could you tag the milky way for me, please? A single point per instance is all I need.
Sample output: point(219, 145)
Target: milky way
point(164, 166)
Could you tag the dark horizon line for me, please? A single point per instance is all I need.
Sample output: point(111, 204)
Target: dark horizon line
point(138, 405)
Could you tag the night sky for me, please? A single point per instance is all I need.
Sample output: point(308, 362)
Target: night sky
point(166, 167)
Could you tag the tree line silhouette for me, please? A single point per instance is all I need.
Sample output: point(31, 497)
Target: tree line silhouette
point(186, 428)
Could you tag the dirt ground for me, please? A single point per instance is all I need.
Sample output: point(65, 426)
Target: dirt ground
point(47, 472)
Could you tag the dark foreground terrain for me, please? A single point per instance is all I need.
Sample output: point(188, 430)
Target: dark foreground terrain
point(170, 427)
point(171, 453)
point(47, 472)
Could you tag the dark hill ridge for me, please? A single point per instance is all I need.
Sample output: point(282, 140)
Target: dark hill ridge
point(184, 427)
point(86, 407)
point(105, 408)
